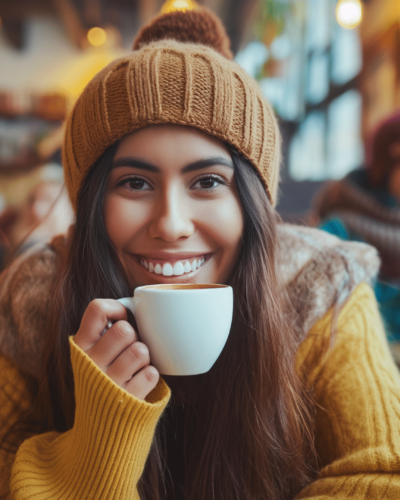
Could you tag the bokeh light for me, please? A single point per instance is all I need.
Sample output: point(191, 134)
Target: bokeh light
point(97, 36)
point(174, 5)
point(349, 13)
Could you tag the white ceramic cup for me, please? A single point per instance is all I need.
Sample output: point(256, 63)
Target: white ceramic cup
point(185, 327)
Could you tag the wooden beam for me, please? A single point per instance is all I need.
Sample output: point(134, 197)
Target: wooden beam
point(71, 20)
point(24, 8)
point(14, 31)
point(92, 12)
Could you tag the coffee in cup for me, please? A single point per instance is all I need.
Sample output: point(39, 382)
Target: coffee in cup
point(185, 327)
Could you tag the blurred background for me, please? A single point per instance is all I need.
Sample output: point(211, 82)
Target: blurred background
point(330, 69)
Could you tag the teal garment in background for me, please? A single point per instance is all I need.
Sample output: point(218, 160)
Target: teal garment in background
point(359, 179)
point(387, 295)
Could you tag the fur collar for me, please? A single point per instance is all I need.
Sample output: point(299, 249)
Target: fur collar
point(24, 305)
point(318, 270)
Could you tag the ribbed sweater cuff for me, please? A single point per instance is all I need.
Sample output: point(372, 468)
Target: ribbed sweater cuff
point(104, 454)
point(113, 429)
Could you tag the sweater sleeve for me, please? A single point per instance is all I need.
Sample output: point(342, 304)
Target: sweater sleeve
point(104, 454)
point(357, 390)
point(14, 402)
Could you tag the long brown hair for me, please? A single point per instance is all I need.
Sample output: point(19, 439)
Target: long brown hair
point(248, 425)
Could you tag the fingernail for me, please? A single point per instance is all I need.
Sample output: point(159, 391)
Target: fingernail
point(108, 326)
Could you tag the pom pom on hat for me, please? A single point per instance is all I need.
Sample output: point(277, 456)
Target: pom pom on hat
point(192, 26)
point(187, 78)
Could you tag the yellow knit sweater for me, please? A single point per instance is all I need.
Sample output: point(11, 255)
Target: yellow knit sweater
point(356, 386)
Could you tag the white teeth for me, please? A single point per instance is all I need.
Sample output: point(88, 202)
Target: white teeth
point(178, 268)
point(167, 270)
point(173, 270)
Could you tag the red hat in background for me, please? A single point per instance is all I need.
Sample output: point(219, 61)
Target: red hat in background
point(384, 150)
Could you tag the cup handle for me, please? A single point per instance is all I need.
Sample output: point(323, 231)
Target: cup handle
point(130, 303)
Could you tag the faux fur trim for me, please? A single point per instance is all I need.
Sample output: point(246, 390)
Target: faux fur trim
point(24, 306)
point(318, 270)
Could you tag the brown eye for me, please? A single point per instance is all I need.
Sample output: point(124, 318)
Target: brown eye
point(209, 183)
point(136, 183)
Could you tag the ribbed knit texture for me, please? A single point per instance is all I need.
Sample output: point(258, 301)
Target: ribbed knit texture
point(104, 454)
point(168, 82)
point(357, 390)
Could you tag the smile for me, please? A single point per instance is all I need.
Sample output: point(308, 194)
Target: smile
point(176, 268)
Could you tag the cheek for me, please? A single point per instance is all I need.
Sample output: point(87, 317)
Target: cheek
point(224, 222)
point(120, 223)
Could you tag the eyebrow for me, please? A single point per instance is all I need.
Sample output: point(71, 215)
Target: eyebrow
point(129, 161)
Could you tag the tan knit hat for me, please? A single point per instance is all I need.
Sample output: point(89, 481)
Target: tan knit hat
point(173, 82)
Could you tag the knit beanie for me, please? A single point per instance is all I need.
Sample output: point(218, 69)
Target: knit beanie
point(180, 72)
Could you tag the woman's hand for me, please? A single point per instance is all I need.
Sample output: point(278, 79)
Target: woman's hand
point(118, 352)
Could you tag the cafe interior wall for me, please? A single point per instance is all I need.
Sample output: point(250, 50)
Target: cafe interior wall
point(289, 69)
point(44, 72)
point(380, 77)
point(50, 71)
point(330, 87)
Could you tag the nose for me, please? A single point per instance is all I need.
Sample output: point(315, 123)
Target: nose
point(172, 217)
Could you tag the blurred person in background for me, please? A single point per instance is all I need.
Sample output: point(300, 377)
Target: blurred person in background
point(365, 206)
point(45, 213)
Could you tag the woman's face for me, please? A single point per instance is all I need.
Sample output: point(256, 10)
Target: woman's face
point(171, 207)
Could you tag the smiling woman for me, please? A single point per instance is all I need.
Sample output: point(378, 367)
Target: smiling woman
point(171, 203)
point(171, 159)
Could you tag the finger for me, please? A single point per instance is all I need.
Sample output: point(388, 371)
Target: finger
point(143, 382)
point(95, 319)
point(134, 358)
point(120, 336)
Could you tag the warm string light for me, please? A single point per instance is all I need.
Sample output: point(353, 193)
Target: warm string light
point(174, 5)
point(97, 37)
point(349, 13)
